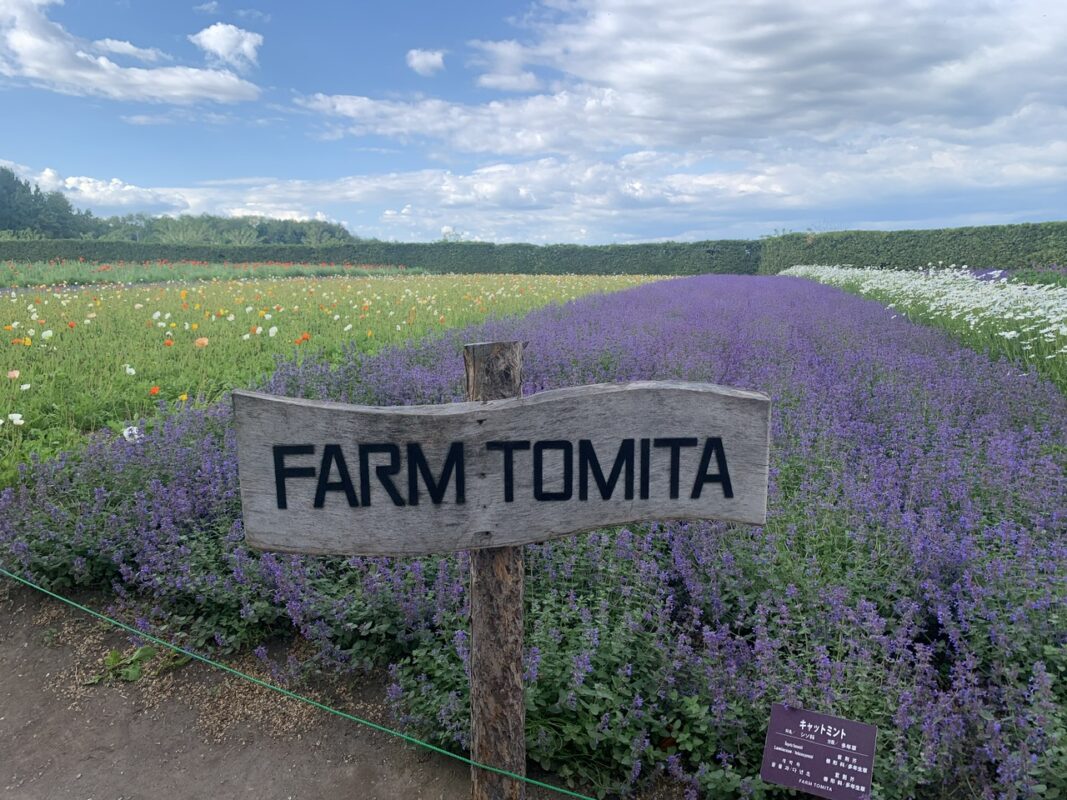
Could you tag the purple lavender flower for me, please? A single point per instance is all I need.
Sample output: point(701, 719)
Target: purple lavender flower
point(911, 573)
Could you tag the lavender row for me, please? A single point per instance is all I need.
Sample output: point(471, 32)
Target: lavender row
point(911, 573)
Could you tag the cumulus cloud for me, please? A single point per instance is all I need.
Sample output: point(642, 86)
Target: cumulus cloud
point(113, 193)
point(123, 48)
point(505, 61)
point(228, 44)
point(426, 62)
point(35, 49)
point(706, 116)
point(694, 73)
point(695, 119)
point(644, 195)
point(567, 121)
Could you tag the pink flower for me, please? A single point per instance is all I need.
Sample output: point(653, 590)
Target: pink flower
point(12, 373)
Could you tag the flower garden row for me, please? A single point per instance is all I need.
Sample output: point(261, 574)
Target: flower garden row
point(77, 360)
point(987, 311)
point(61, 271)
point(912, 573)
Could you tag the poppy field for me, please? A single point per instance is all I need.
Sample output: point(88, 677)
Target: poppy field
point(76, 360)
point(912, 573)
point(82, 272)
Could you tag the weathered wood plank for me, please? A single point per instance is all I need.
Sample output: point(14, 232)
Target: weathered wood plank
point(677, 439)
point(498, 707)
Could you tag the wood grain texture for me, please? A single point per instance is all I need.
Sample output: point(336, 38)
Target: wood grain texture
point(498, 706)
point(604, 414)
point(493, 370)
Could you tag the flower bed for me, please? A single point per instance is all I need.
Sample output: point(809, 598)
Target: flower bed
point(911, 573)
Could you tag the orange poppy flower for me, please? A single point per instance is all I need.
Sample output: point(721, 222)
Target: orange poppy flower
point(154, 391)
point(201, 342)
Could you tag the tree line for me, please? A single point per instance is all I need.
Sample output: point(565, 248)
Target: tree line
point(28, 213)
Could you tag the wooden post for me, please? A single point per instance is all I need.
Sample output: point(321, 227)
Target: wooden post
point(498, 708)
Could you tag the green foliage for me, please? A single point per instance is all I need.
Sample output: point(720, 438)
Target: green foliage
point(27, 210)
point(70, 375)
point(83, 273)
point(667, 258)
point(127, 667)
point(1052, 277)
point(35, 226)
point(993, 246)
point(28, 213)
point(206, 229)
point(141, 239)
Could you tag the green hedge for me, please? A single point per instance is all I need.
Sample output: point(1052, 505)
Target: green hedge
point(996, 246)
point(733, 256)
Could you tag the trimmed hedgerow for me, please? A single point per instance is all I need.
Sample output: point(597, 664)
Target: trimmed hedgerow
point(666, 258)
point(993, 246)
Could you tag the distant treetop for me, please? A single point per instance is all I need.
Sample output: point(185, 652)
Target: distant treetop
point(28, 213)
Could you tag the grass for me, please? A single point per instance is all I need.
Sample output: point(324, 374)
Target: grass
point(61, 272)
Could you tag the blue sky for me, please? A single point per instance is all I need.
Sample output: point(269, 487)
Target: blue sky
point(558, 120)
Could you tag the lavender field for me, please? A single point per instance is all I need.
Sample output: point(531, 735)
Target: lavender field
point(912, 573)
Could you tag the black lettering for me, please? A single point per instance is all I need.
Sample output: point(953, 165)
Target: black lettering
point(281, 472)
point(331, 454)
point(508, 449)
point(417, 464)
point(382, 471)
point(713, 445)
point(539, 473)
point(587, 462)
point(646, 458)
point(676, 445)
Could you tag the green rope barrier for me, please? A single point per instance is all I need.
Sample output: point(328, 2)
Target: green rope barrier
point(293, 695)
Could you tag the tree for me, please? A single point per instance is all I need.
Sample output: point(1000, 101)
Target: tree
point(27, 212)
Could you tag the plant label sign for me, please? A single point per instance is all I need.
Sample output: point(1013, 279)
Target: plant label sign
point(320, 477)
point(819, 754)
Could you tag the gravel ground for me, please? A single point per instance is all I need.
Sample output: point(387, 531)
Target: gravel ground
point(190, 731)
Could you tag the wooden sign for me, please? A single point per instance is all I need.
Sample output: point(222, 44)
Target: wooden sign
point(489, 476)
point(320, 477)
point(819, 754)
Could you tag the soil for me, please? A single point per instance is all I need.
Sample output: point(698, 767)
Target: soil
point(191, 732)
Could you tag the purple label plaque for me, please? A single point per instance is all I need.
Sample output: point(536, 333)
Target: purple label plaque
point(819, 754)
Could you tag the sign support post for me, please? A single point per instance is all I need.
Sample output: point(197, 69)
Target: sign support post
point(498, 707)
point(489, 476)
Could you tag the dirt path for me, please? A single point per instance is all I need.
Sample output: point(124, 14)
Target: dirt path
point(189, 733)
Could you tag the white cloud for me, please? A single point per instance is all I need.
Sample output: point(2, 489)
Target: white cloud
point(211, 7)
point(228, 44)
point(689, 119)
point(426, 62)
point(113, 194)
point(704, 116)
point(174, 116)
point(505, 61)
point(558, 123)
point(253, 14)
point(641, 196)
point(123, 48)
point(35, 49)
point(693, 74)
